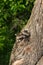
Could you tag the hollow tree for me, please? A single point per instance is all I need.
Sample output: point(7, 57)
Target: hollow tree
point(28, 49)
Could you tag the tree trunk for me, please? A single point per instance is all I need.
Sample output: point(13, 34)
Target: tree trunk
point(40, 62)
point(28, 49)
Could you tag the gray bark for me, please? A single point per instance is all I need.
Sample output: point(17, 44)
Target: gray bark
point(28, 49)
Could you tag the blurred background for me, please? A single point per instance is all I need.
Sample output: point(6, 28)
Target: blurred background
point(14, 15)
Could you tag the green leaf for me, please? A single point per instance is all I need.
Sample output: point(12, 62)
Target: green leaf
point(1, 46)
point(5, 0)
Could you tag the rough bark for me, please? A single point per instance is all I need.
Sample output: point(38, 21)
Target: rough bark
point(29, 43)
point(40, 62)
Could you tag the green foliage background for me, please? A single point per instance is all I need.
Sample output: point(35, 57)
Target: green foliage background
point(13, 16)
